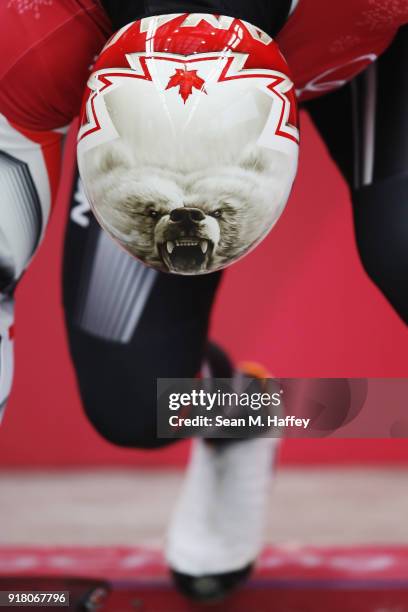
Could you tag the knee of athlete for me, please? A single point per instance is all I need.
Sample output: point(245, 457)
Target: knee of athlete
point(124, 416)
point(189, 167)
point(382, 238)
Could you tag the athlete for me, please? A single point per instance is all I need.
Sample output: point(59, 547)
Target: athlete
point(139, 324)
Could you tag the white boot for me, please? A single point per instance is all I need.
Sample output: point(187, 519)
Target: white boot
point(217, 527)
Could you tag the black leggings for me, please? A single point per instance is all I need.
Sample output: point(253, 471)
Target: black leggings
point(127, 325)
point(365, 126)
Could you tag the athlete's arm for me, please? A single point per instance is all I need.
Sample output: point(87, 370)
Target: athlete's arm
point(370, 145)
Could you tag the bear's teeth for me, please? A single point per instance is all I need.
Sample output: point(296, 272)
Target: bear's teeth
point(170, 247)
point(204, 246)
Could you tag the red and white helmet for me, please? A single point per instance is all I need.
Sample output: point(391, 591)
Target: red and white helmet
point(188, 143)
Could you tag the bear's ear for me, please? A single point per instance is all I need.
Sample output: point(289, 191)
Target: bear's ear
point(114, 156)
point(254, 158)
point(271, 164)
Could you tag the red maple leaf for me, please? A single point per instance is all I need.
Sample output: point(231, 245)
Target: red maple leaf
point(187, 80)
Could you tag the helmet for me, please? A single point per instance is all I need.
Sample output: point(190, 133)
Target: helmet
point(188, 142)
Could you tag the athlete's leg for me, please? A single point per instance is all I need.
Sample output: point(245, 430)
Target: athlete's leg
point(365, 126)
point(29, 173)
point(128, 325)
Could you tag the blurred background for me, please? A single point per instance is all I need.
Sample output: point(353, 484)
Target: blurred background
point(302, 306)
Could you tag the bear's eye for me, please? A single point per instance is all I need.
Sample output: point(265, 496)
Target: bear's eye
point(153, 213)
point(217, 214)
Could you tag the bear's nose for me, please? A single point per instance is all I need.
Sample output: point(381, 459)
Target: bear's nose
point(183, 215)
